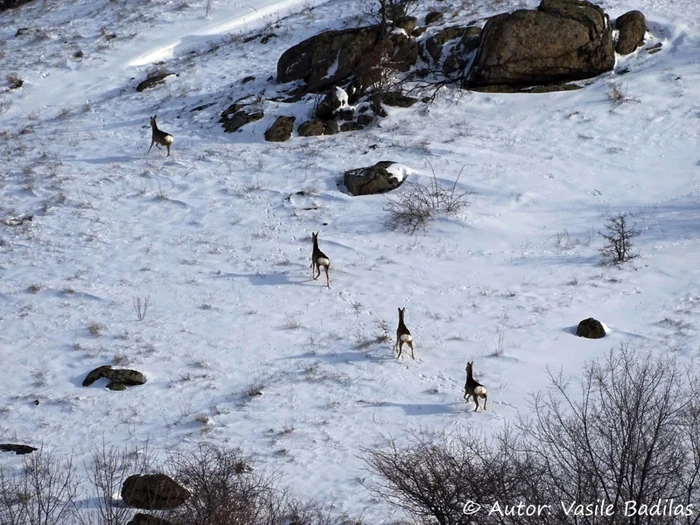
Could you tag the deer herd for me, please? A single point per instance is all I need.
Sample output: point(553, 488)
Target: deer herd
point(472, 388)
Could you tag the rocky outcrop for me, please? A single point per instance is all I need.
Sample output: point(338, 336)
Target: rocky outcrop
point(333, 57)
point(435, 43)
point(331, 102)
point(459, 55)
point(311, 128)
point(371, 180)
point(561, 40)
point(153, 492)
point(632, 27)
point(238, 115)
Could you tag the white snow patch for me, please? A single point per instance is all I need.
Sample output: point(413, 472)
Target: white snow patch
point(341, 96)
point(334, 67)
point(399, 171)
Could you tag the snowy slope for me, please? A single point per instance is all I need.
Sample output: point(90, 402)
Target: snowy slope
point(218, 238)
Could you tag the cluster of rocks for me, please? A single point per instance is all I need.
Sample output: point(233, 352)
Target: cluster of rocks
point(533, 50)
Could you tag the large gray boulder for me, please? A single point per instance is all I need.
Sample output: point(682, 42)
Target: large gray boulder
point(371, 180)
point(632, 27)
point(333, 57)
point(119, 378)
point(590, 329)
point(561, 40)
point(153, 492)
point(280, 130)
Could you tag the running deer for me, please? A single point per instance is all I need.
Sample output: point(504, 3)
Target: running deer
point(474, 389)
point(318, 260)
point(403, 336)
point(160, 138)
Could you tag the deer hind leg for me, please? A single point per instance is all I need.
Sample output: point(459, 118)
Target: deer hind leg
point(328, 278)
point(485, 398)
point(168, 146)
point(476, 401)
point(410, 345)
point(399, 347)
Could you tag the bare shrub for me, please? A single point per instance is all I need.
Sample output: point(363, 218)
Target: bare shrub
point(618, 235)
point(432, 478)
point(629, 438)
point(106, 471)
point(162, 193)
point(141, 307)
point(226, 491)
point(42, 493)
point(95, 328)
point(631, 435)
point(617, 94)
point(417, 206)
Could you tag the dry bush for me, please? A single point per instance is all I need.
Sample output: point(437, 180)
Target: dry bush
point(619, 235)
point(226, 491)
point(632, 434)
point(95, 328)
point(44, 492)
point(386, 12)
point(141, 307)
point(106, 471)
point(432, 478)
point(617, 94)
point(415, 207)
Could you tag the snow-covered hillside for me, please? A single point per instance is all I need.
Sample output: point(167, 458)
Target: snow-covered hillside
point(218, 238)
